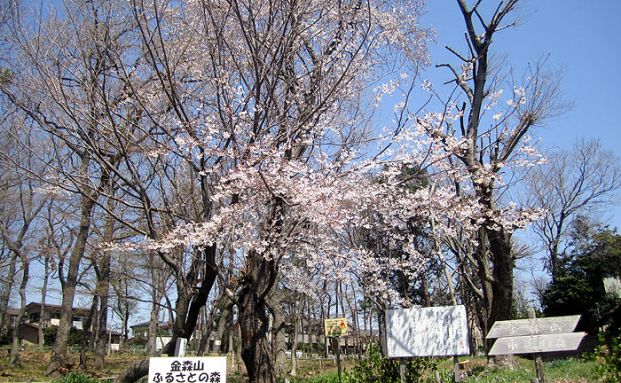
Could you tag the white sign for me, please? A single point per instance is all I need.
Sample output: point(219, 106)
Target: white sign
point(189, 370)
point(430, 331)
point(537, 343)
point(535, 326)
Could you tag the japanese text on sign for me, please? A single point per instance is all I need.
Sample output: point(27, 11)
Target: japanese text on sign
point(187, 370)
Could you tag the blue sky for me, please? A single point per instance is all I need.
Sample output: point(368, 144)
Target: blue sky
point(583, 41)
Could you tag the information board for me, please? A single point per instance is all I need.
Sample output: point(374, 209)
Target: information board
point(335, 327)
point(429, 331)
point(535, 344)
point(191, 370)
point(535, 326)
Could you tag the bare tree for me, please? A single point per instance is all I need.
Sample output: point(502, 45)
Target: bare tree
point(488, 144)
point(581, 181)
point(21, 206)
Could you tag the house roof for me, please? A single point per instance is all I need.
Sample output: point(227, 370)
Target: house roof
point(160, 324)
point(36, 306)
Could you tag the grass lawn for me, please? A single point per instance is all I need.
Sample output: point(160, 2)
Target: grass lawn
point(557, 371)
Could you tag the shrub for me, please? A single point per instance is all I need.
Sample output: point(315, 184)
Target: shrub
point(75, 336)
point(76, 377)
point(377, 368)
point(610, 360)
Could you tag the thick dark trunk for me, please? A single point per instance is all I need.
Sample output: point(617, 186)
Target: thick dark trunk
point(256, 349)
point(486, 284)
point(254, 318)
point(500, 248)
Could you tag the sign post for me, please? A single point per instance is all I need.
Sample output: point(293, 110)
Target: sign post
point(538, 361)
point(535, 336)
point(429, 331)
point(180, 346)
point(334, 328)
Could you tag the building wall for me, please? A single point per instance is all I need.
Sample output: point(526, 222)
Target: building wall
point(30, 334)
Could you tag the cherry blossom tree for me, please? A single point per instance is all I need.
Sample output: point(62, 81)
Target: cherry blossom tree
point(233, 144)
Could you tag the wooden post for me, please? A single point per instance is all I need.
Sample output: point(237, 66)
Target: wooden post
point(538, 359)
point(402, 371)
point(337, 352)
point(456, 370)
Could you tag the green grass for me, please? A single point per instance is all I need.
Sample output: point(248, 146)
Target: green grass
point(557, 371)
point(315, 371)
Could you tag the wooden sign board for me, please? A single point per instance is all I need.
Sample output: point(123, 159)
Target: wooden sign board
point(537, 343)
point(537, 326)
point(430, 331)
point(335, 327)
point(196, 369)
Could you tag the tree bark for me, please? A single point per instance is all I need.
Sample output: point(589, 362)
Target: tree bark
point(46, 271)
point(500, 247)
point(254, 318)
point(6, 292)
point(86, 330)
point(103, 292)
point(294, 341)
point(59, 358)
point(279, 345)
point(14, 357)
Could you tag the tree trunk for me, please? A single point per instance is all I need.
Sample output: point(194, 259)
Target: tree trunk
point(103, 291)
point(294, 342)
point(58, 357)
point(256, 349)
point(153, 323)
point(483, 265)
point(14, 357)
point(46, 271)
point(500, 248)
point(6, 293)
point(254, 318)
point(279, 344)
point(225, 327)
point(86, 330)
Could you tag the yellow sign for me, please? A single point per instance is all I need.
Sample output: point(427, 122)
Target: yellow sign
point(335, 327)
